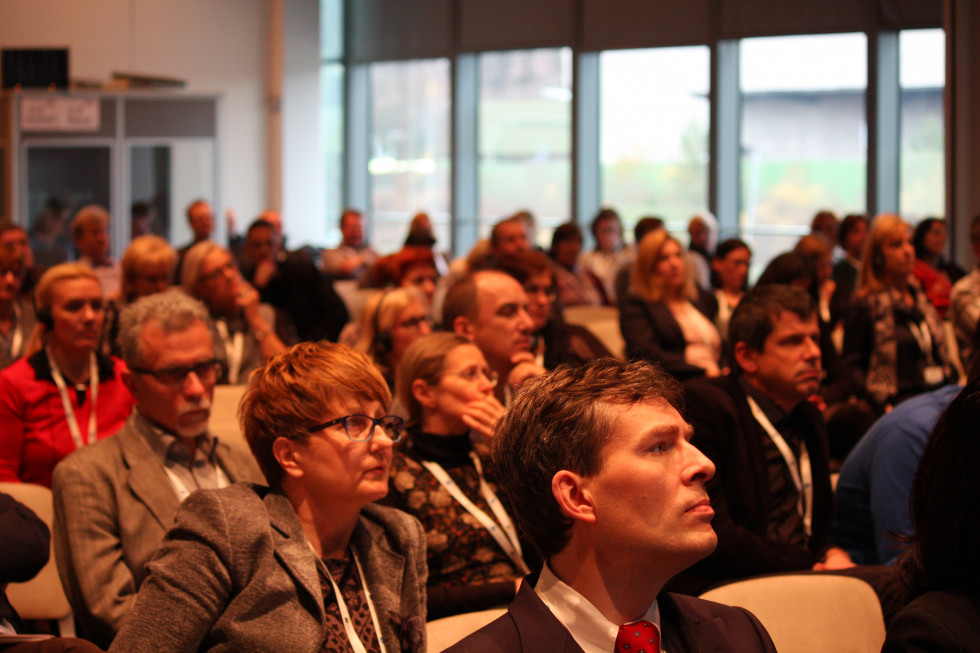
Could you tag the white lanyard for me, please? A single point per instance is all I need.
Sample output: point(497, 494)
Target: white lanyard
point(17, 339)
point(802, 475)
point(923, 336)
point(181, 488)
point(234, 348)
point(355, 640)
point(93, 384)
point(505, 534)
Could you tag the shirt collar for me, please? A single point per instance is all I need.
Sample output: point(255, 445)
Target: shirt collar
point(162, 443)
point(590, 629)
point(770, 408)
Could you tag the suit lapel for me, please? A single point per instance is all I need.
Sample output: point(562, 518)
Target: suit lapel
point(384, 572)
point(697, 632)
point(537, 626)
point(292, 548)
point(146, 477)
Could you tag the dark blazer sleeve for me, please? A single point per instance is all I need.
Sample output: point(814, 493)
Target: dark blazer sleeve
point(859, 340)
point(738, 492)
point(708, 626)
point(946, 622)
point(652, 333)
point(26, 542)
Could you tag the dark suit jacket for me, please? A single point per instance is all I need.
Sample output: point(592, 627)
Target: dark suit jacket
point(236, 573)
point(701, 625)
point(727, 433)
point(24, 548)
point(651, 332)
point(947, 621)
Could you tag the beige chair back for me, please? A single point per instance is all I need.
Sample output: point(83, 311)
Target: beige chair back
point(224, 414)
point(443, 633)
point(42, 598)
point(842, 613)
point(603, 322)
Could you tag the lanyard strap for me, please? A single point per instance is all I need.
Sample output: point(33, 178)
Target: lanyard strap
point(93, 384)
point(923, 336)
point(181, 488)
point(503, 532)
point(17, 338)
point(352, 636)
point(234, 349)
point(802, 474)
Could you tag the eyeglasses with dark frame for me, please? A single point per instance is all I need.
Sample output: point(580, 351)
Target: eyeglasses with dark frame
point(360, 428)
point(206, 371)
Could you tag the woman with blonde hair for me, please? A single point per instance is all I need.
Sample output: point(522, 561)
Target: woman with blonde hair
point(391, 321)
point(309, 563)
point(667, 318)
point(894, 343)
point(63, 395)
point(475, 558)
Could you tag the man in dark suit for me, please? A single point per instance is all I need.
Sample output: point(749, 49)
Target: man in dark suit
point(115, 500)
point(771, 490)
point(606, 485)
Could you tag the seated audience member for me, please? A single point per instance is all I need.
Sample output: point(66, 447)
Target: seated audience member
point(825, 226)
point(872, 515)
point(941, 570)
point(390, 322)
point(771, 492)
point(63, 395)
point(353, 256)
point(49, 239)
point(575, 284)
point(965, 299)
point(490, 309)
point(851, 235)
point(308, 563)
point(624, 275)
point(24, 550)
point(147, 267)
point(511, 235)
point(90, 235)
point(935, 275)
point(610, 253)
point(819, 256)
point(608, 487)
point(14, 238)
point(475, 559)
point(703, 232)
point(555, 341)
point(729, 278)
point(290, 282)
point(421, 234)
point(667, 318)
point(410, 267)
point(242, 328)
point(894, 342)
point(115, 500)
point(200, 217)
point(16, 313)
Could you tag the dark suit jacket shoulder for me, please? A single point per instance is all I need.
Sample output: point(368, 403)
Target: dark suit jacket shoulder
point(947, 621)
point(727, 433)
point(701, 625)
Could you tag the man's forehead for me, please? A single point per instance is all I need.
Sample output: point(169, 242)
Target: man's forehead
point(496, 288)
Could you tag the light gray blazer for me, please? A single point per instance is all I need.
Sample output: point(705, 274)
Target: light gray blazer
point(236, 573)
point(113, 503)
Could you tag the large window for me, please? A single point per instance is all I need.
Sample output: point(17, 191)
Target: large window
point(654, 121)
point(804, 143)
point(332, 116)
point(525, 137)
point(922, 76)
point(410, 155)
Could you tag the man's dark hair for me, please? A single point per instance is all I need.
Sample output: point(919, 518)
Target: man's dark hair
point(495, 232)
point(258, 223)
point(603, 214)
point(523, 265)
point(848, 225)
point(561, 421)
point(755, 316)
point(646, 225)
point(460, 301)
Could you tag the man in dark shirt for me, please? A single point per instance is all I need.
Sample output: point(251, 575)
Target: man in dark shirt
point(771, 492)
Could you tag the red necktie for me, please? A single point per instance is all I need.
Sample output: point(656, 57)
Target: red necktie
point(638, 637)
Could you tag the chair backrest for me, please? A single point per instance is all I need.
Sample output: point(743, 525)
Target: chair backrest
point(42, 598)
point(842, 613)
point(224, 414)
point(443, 633)
point(603, 322)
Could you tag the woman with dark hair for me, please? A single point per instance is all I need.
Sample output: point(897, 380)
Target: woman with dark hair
point(941, 569)
point(475, 559)
point(935, 275)
point(308, 563)
point(667, 318)
point(729, 278)
point(576, 285)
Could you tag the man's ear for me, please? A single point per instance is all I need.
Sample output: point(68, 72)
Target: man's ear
point(573, 496)
point(463, 327)
point(745, 357)
point(288, 456)
point(423, 393)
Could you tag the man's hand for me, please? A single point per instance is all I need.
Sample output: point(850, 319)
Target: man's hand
point(835, 558)
point(524, 368)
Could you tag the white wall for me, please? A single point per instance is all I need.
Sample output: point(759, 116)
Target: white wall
point(218, 46)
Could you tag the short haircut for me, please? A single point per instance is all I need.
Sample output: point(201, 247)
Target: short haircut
point(171, 312)
point(524, 265)
point(348, 211)
point(90, 214)
point(564, 233)
point(143, 252)
point(646, 225)
point(813, 248)
point(848, 225)
point(603, 214)
point(822, 220)
point(190, 269)
point(460, 301)
point(495, 232)
point(394, 267)
point(190, 207)
point(295, 390)
point(755, 316)
point(424, 359)
point(560, 421)
point(259, 223)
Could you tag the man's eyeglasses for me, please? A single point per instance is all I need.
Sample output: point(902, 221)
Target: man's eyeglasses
point(206, 371)
point(360, 428)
